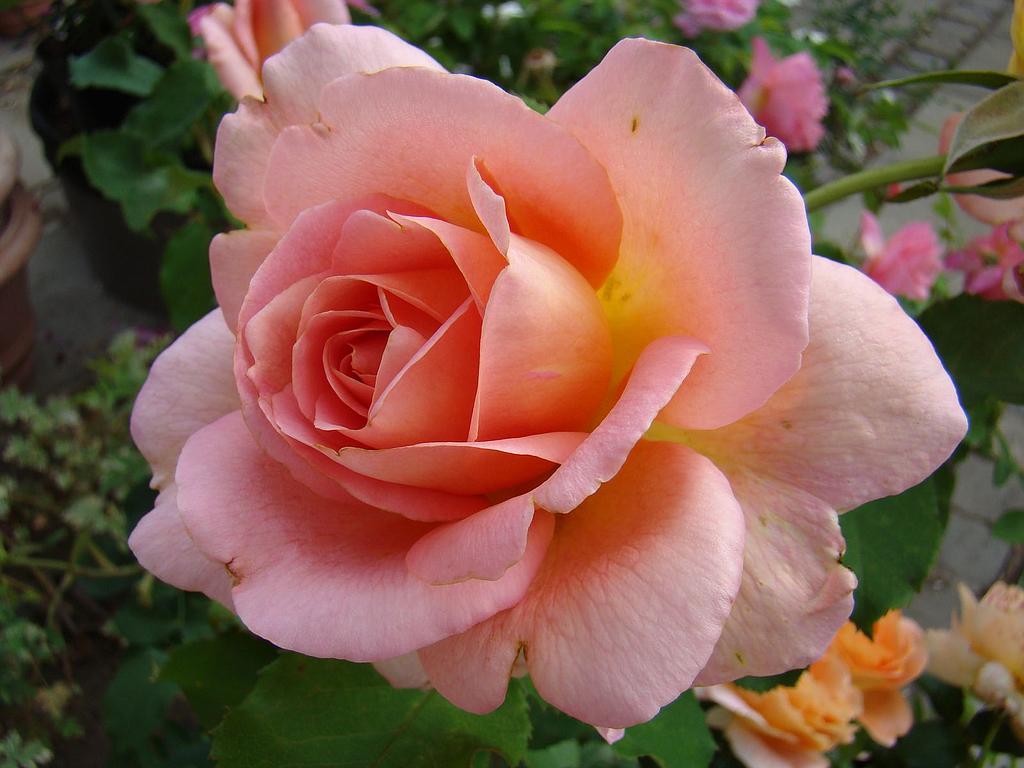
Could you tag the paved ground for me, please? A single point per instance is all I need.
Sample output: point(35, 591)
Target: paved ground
point(76, 319)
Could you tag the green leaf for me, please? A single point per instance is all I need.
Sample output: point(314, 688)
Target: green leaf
point(185, 275)
point(169, 26)
point(135, 704)
point(564, 754)
point(981, 343)
point(178, 101)
point(891, 544)
point(762, 684)
point(335, 714)
point(114, 65)
point(997, 118)
point(1000, 189)
point(142, 180)
point(1010, 527)
point(931, 744)
point(978, 77)
point(217, 673)
point(677, 738)
point(915, 192)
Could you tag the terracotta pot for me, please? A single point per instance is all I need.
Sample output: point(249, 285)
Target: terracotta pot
point(22, 17)
point(20, 228)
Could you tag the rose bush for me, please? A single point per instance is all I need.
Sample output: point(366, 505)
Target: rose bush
point(492, 391)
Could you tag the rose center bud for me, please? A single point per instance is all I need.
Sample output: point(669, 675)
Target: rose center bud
point(418, 331)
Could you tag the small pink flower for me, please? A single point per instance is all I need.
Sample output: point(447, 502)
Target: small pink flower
point(239, 38)
point(907, 263)
point(786, 96)
point(845, 75)
point(991, 265)
point(718, 15)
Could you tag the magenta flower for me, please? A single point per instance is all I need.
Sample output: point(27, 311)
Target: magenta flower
point(991, 265)
point(786, 96)
point(907, 263)
point(717, 15)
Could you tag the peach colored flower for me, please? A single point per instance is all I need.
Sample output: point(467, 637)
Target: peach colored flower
point(984, 649)
point(239, 38)
point(789, 726)
point(880, 666)
point(985, 209)
point(423, 420)
point(991, 265)
point(907, 263)
point(716, 15)
point(786, 96)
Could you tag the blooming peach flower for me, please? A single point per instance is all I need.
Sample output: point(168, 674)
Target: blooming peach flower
point(985, 209)
point(880, 666)
point(423, 420)
point(716, 15)
point(786, 96)
point(907, 263)
point(984, 649)
point(239, 39)
point(990, 264)
point(789, 726)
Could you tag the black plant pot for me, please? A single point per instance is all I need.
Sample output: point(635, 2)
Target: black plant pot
point(126, 262)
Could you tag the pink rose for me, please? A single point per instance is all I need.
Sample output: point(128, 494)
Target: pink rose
point(421, 429)
point(786, 96)
point(907, 263)
point(239, 39)
point(991, 265)
point(985, 209)
point(717, 15)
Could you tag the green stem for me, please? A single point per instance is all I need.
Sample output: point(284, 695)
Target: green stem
point(990, 737)
point(76, 570)
point(872, 178)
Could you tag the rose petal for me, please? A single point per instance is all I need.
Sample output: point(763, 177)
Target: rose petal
point(468, 468)
point(545, 354)
point(190, 385)
point(318, 577)
point(473, 254)
point(403, 671)
point(164, 548)
point(628, 603)
point(292, 81)
point(686, 160)
point(886, 716)
point(234, 258)
point(235, 71)
point(870, 389)
point(556, 194)
point(795, 593)
point(754, 749)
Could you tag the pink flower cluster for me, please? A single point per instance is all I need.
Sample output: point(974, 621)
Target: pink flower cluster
point(716, 15)
point(786, 96)
point(992, 265)
point(907, 263)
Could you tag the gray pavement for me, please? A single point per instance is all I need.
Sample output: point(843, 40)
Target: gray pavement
point(77, 319)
